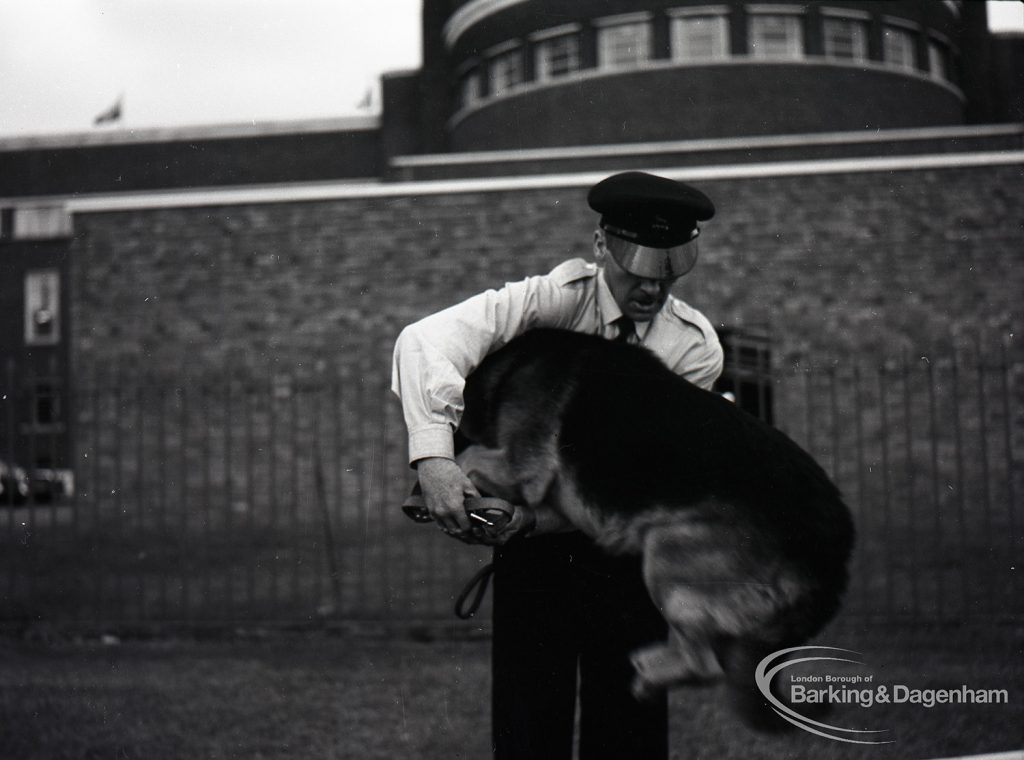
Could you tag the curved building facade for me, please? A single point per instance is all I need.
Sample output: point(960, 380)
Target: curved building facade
point(544, 73)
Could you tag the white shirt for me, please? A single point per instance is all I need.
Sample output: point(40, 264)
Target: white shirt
point(434, 356)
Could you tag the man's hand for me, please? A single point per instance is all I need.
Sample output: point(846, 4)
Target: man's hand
point(445, 488)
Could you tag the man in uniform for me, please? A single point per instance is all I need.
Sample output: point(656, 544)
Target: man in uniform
point(566, 616)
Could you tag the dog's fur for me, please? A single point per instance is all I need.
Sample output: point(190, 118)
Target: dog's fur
point(745, 540)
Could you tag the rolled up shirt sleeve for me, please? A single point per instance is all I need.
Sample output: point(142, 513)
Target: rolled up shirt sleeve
point(433, 356)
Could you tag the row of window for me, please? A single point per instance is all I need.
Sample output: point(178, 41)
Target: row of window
point(626, 42)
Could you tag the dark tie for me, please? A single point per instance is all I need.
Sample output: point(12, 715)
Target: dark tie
point(627, 330)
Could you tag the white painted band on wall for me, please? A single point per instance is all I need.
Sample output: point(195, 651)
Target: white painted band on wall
point(326, 191)
point(708, 145)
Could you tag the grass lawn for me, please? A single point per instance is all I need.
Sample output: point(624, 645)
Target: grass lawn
point(326, 695)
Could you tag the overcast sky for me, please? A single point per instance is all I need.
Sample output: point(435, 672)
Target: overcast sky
point(183, 62)
point(63, 62)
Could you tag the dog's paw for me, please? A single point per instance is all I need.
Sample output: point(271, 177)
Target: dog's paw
point(661, 666)
point(656, 667)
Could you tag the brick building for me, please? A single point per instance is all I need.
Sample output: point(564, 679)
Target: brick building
point(866, 159)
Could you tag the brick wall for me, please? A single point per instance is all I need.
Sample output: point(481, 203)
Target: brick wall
point(869, 263)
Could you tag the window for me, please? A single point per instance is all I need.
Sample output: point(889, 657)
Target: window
point(34, 223)
point(42, 307)
point(506, 71)
point(470, 89)
point(846, 38)
point(557, 57)
point(46, 404)
point(623, 45)
point(898, 47)
point(775, 37)
point(938, 60)
point(747, 371)
point(700, 38)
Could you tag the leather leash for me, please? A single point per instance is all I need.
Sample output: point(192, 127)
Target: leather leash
point(485, 509)
point(480, 581)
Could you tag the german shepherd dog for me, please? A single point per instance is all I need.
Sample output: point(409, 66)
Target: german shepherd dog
point(745, 540)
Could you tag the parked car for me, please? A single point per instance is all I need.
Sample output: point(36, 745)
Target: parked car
point(14, 484)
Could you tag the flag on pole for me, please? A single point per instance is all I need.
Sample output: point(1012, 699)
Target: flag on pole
point(112, 114)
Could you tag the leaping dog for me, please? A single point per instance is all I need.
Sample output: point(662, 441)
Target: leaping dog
point(745, 540)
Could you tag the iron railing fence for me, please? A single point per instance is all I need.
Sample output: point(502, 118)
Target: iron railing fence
point(277, 502)
point(927, 454)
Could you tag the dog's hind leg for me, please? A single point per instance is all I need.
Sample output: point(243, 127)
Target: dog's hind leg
point(674, 583)
point(709, 586)
point(730, 598)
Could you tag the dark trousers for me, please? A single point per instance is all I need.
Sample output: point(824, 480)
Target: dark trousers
point(562, 607)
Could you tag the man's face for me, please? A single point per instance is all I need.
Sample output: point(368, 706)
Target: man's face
point(639, 298)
